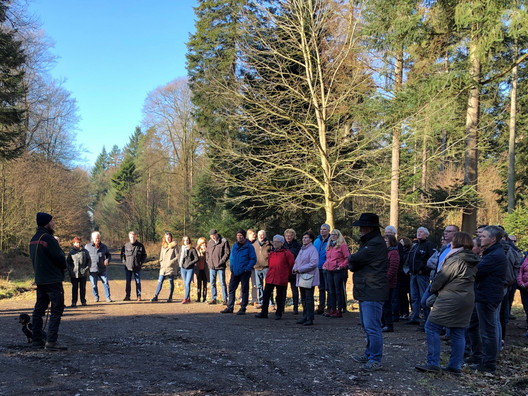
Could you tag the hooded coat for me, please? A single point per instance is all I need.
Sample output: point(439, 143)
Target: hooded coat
point(454, 285)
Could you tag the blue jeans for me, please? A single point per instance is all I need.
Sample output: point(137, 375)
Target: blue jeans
point(137, 279)
point(419, 285)
point(370, 317)
point(483, 334)
point(212, 278)
point(308, 304)
point(48, 293)
point(260, 276)
point(334, 282)
point(94, 276)
point(187, 275)
point(458, 344)
point(161, 279)
point(243, 280)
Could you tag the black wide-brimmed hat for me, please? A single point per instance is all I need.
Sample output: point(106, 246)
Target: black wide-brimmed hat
point(367, 220)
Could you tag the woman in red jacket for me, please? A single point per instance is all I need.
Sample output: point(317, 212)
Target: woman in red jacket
point(336, 265)
point(281, 262)
point(392, 274)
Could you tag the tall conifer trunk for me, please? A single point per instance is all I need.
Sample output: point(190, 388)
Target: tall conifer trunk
point(395, 166)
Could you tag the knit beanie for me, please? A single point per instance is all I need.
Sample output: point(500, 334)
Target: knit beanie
point(43, 219)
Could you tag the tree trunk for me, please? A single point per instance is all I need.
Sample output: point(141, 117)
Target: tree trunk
point(469, 216)
point(395, 166)
point(423, 213)
point(511, 146)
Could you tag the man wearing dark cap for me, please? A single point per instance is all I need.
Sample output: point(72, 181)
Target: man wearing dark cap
point(49, 264)
point(241, 261)
point(216, 256)
point(371, 286)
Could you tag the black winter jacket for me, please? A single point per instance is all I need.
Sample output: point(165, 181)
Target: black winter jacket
point(418, 256)
point(47, 257)
point(370, 265)
point(491, 275)
point(133, 255)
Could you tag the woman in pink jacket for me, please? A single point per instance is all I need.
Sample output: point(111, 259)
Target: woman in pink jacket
point(306, 266)
point(336, 265)
point(522, 281)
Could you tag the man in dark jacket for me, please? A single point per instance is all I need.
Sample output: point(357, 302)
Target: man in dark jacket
point(100, 259)
point(217, 254)
point(420, 252)
point(489, 292)
point(49, 264)
point(371, 286)
point(241, 261)
point(133, 256)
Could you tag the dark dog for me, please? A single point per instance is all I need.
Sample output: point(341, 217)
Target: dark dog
point(27, 328)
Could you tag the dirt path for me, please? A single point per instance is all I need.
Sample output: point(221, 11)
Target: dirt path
point(134, 348)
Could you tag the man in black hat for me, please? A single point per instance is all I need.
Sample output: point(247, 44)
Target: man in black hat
point(49, 264)
point(371, 286)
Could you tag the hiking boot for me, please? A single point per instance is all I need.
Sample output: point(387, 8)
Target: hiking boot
point(54, 346)
point(227, 310)
point(451, 370)
point(360, 358)
point(38, 344)
point(428, 368)
point(371, 366)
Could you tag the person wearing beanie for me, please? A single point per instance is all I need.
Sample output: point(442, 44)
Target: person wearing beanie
point(49, 263)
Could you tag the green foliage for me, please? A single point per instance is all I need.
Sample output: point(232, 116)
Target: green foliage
point(516, 223)
point(12, 90)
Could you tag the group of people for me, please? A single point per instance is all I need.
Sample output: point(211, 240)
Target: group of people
point(464, 289)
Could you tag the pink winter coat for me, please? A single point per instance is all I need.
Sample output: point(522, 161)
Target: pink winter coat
point(522, 279)
point(307, 263)
point(336, 258)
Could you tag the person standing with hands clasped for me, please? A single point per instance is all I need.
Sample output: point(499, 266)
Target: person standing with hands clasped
point(79, 263)
point(371, 287)
point(49, 264)
point(307, 271)
point(133, 256)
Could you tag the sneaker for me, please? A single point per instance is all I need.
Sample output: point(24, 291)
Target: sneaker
point(360, 358)
point(227, 310)
point(428, 368)
point(387, 329)
point(154, 299)
point(109, 300)
point(372, 366)
point(126, 299)
point(96, 300)
point(54, 346)
point(211, 302)
point(241, 312)
point(186, 301)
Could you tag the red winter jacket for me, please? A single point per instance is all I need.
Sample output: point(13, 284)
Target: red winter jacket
point(280, 267)
point(394, 263)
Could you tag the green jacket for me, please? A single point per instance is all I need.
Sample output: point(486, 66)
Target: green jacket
point(50, 262)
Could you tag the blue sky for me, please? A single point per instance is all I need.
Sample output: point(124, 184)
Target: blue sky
point(111, 54)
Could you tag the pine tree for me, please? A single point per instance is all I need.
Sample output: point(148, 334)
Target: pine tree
point(12, 90)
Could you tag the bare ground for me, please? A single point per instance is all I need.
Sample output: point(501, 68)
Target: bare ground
point(135, 348)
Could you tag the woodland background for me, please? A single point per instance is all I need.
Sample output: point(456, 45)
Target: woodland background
point(293, 113)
